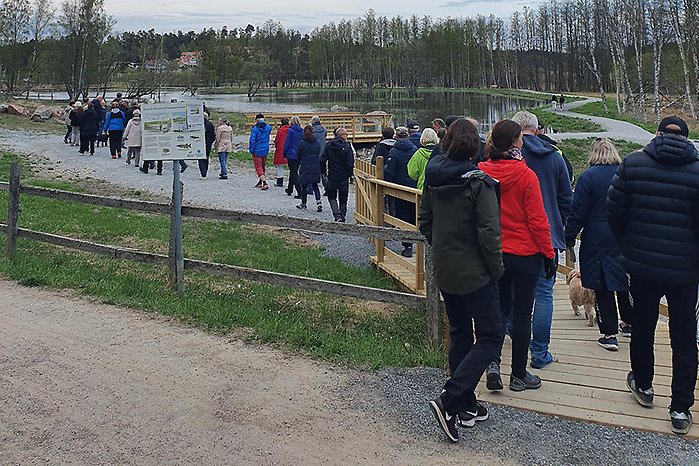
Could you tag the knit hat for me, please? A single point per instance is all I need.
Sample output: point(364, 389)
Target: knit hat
point(676, 121)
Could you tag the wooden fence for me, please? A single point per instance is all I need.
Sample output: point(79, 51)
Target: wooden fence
point(429, 301)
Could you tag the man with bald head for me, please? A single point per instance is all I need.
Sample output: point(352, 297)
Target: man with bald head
point(653, 210)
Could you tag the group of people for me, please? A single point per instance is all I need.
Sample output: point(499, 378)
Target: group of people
point(557, 103)
point(496, 214)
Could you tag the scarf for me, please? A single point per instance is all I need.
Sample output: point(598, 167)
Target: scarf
point(513, 153)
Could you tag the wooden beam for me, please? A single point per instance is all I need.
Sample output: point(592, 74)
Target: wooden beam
point(12, 210)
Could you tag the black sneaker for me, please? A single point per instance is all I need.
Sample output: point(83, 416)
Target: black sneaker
point(644, 397)
point(183, 168)
point(407, 252)
point(625, 330)
point(301, 206)
point(608, 343)
point(528, 382)
point(493, 380)
point(469, 419)
point(446, 422)
point(681, 422)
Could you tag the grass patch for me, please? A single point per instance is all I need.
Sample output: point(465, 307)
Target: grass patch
point(23, 123)
point(578, 151)
point(329, 327)
point(565, 124)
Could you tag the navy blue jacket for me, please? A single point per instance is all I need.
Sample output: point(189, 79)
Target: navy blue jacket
point(337, 160)
point(291, 143)
point(89, 122)
point(415, 139)
point(101, 112)
point(600, 253)
point(653, 210)
point(308, 154)
point(556, 191)
point(396, 166)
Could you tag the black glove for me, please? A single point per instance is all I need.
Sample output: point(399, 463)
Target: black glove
point(550, 267)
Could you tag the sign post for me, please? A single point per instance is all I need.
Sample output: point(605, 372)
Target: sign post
point(173, 132)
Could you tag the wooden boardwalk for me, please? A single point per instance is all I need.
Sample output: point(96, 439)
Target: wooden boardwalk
point(588, 382)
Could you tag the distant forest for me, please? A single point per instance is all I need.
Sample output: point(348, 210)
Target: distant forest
point(642, 50)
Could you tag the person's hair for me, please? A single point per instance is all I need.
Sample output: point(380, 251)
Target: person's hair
point(441, 133)
point(429, 136)
point(402, 132)
point(461, 141)
point(315, 119)
point(308, 133)
point(284, 120)
point(439, 122)
point(337, 130)
point(295, 120)
point(501, 138)
point(603, 152)
point(388, 132)
point(223, 120)
point(527, 120)
point(114, 104)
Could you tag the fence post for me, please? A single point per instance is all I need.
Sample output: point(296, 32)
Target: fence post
point(175, 254)
point(378, 207)
point(12, 211)
point(432, 295)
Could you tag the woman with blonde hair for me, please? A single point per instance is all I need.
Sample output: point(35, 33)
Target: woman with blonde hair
point(600, 254)
point(418, 162)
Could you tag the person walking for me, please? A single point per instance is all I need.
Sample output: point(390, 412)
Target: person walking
point(396, 171)
point(554, 102)
point(601, 269)
point(414, 130)
point(337, 163)
point(89, 123)
point(209, 139)
point(66, 119)
point(653, 212)
point(74, 117)
point(385, 145)
point(279, 160)
point(557, 193)
point(562, 101)
point(321, 134)
point(460, 221)
point(133, 139)
point(526, 248)
point(308, 155)
point(291, 143)
point(224, 144)
point(418, 162)
point(114, 125)
point(259, 148)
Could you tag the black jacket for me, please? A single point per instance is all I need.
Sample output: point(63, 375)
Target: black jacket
point(460, 218)
point(653, 210)
point(396, 166)
point(209, 135)
point(337, 160)
point(89, 122)
point(382, 149)
point(308, 156)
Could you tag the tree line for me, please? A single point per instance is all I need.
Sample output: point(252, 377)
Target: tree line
point(642, 50)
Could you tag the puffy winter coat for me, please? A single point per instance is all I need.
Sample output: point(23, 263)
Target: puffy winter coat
point(396, 167)
point(418, 163)
point(600, 253)
point(89, 123)
point(259, 139)
point(556, 190)
point(308, 154)
point(525, 230)
point(279, 140)
point(291, 143)
point(653, 210)
point(132, 133)
point(224, 138)
point(115, 121)
point(339, 158)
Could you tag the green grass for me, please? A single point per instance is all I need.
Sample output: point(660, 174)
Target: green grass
point(329, 327)
point(578, 151)
point(565, 124)
point(23, 123)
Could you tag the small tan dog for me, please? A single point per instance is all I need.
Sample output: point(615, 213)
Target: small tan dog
point(580, 296)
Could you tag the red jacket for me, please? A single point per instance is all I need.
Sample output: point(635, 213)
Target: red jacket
point(279, 139)
point(525, 229)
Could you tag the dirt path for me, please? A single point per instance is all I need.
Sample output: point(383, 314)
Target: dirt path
point(87, 383)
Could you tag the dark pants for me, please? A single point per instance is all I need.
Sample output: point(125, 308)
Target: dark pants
point(606, 306)
point(480, 309)
point(203, 166)
point(405, 211)
point(87, 142)
point(681, 299)
point(517, 287)
point(306, 189)
point(147, 165)
point(70, 130)
point(293, 176)
point(115, 138)
point(334, 189)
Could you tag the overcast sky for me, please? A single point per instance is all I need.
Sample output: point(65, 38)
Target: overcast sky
point(185, 15)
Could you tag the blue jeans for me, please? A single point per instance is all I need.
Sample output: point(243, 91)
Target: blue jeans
point(541, 320)
point(223, 160)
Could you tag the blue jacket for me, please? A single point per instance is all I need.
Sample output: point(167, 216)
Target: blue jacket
point(291, 144)
point(115, 121)
point(259, 139)
point(552, 172)
point(396, 166)
point(308, 155)
point(415, 139)
point(321, 134)
point(600, 253)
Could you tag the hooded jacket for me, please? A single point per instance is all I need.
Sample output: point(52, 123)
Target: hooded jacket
point(653, 210)
point(291, 144)
point(115, 121)
point(556, 190)
point(396, 166)
point(337, 160)
point(525, 229)
point(89, 122)
point(382, 149)
point(132, 133)
point(279, 140)
point(459, 218)
point(259, 139)
point(308, 154)
point(418, 164)
point(224, 138)
point(321, 135)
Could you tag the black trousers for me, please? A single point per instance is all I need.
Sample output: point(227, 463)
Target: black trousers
point(115, 138)
point(517, 287)
point(405, 211)
point(681, 301)
point(293, 176)
point(87, 142)
point(337, 189)
point(606, 305)
point(67, 136)
point(306, 190)
point(204, 165)
point(479, 309)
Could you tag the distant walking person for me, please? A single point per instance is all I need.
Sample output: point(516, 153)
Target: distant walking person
point(224, 144)
point(653, 212)
point(114, 125)
point(133, 139)
point(321, 133)
point(89, 123)
point(209, 139)
point(67, 120)
point(396, 171)
point(259, 148)
point(291, 143)
point(601, 269)
point(308, 155)
point(460, 220)
point(562, 101)
point(279, 159)
point(74, 116)
point(337, 162)
point(554, 102)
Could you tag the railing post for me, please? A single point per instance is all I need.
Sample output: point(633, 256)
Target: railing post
point(419, 252)
point(12, 211)
point(378, 208)
point(433, 300)
point(175, 254)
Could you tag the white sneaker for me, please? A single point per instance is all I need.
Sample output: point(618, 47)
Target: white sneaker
point(203, 178)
